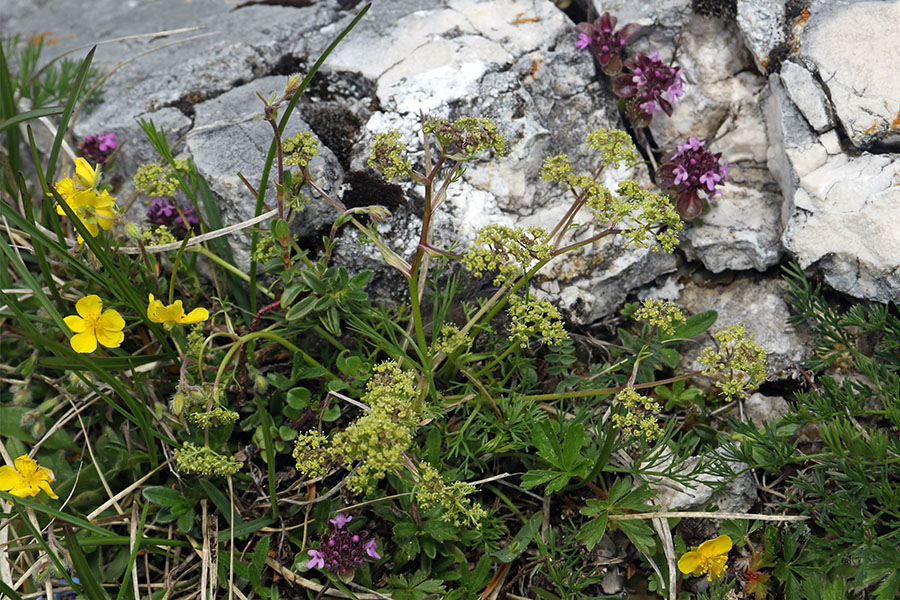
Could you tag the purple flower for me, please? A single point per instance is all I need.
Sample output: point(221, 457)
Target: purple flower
point(651, 87)
point(605, 43)
point(97, 148)
point(687, 172)
point(340, 520)
point(317, 560)
point(164, 211)
point(371, 548)
point(341, 551)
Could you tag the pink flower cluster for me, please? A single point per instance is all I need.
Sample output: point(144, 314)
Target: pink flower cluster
point(652, 85)
point(687, 172)
point(605, 43)
point(97, 148)
point(341, 551)
point(164, 211)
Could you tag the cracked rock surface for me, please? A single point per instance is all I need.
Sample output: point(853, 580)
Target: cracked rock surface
point(802, 107)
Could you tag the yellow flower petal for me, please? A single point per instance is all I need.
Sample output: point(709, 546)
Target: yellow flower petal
point(720, 545)
point(9, 478)
point(110, 338)
point(85, 174)
point(84, 343)
point(65, 188)
point(89, 307)
point(691, 563)
point(76, 324)
point(111, 321)
point(195, 316)
point(45, 485)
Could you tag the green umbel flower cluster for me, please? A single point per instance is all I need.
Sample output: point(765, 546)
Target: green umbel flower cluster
point(661, 314)
point(510, 250)
point(432, 490)
point(450, 338)
point(739, 365)
point(155, 179)
point(615, 145)
point(652, 218)
point(375, 443)
point(195, 339)
point(467, 137)
point(156, 236)
point(299, 149)
point(312, 452)
point(267, 248)
point(535, 318)
point(635, 418)
point(213, 418)
point(389, 155)
point(205, 461)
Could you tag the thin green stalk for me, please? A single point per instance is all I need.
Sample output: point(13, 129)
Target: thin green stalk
point(274, 337)
point(226, 265)
point(270, 454)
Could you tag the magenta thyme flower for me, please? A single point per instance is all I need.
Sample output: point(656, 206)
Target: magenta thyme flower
point(163, 211)
point(341, 551)
point(689, 171)
point(605, 43)
point(97, 148)
point(651, 87)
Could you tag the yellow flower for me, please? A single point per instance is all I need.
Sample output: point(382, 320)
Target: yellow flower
point(169, 315)
point(94, 325)
point(26, 479)
point(94, 209)
point(709, 558)
point(86, 175)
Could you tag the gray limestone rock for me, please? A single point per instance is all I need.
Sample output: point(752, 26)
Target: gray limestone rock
point(762, 25)
point(760, 306)
point(807, 95)
point(839, 208)
point(853, 46)
point(729, 494)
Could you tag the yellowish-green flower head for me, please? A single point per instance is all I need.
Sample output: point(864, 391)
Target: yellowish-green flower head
point(27, 478)
point(636, 418)
point(93, 325)
point(173, 314)
point(738, 365)
point(660, 313)
point(709, 558)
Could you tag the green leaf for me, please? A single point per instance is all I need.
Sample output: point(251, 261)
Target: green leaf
point(221, 502)
point(290, 294)
point(258, 559)
point(163, 496)
point(298, 398)
point(186, 521)
point(439, 530)
point(889, 587)
point(640, 534)
point(537, 477)
point(696, 325)
point(574, 440)
point(670, 357)
point(593, 531)
point(301, 309)
point(526, 534)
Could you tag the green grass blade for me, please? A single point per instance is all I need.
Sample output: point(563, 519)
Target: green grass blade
point(39, 254)
point(89, 583)
point(31, 114)
point(77, 86)
point(139, 536)
point(270, 158)
point(8, 111)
